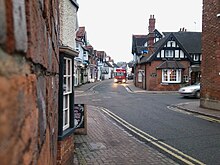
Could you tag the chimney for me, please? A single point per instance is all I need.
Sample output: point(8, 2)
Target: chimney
point(183, 29)
point(151, 26)
point(151, 29)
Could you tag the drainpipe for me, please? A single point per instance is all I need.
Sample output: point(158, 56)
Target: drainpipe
point(145, 76)
point(135, 73)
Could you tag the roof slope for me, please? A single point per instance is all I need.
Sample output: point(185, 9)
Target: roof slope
point(190, 41)
point(80, 33)
point(170, 65)
point(138, 42)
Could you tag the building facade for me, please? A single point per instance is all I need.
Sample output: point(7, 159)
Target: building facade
point(82, 69)
point(92, 73)
point(67, 52)
point(29, 78)
point(210, 91)
point(166, 61)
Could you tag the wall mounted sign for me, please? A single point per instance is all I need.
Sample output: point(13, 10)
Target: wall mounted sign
point(79, 115)
point(153, 75)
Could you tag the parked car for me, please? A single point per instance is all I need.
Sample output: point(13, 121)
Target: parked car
point(130, 77)
point(190, 91)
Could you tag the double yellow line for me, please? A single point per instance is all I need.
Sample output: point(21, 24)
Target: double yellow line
point(208, 118)
point(161, 145)
point(201, 116)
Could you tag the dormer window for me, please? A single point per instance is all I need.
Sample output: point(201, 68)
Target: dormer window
point(196, 58)
point(170, 44)
point(77, 45)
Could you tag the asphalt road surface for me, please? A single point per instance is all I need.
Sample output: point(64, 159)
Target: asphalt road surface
point(194, 136)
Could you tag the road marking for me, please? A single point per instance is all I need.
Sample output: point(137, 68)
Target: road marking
point(128, 89)
point(179, 110)
point(83, 94)
point(204, 117)
point(161, 145)
point(96, 100)
point(79, 91)
point(91, 89)
point(208, 118)
point(107, 97)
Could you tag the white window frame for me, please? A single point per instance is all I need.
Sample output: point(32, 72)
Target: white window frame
point(169, 53)
point(67, 91)
point(140, 75)
point(185, 78)
point(196, 57)
point(167, 78)
point(170, 44)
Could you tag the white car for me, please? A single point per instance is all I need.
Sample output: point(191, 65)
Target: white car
point(190, 91)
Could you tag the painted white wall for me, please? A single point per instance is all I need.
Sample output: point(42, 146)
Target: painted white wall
point(181, 54)
point(68, 23)
point(80, 49)
point(100, 66)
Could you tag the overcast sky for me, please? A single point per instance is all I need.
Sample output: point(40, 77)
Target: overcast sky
point(110, 24)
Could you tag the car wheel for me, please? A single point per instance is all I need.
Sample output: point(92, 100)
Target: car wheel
point(198, 94)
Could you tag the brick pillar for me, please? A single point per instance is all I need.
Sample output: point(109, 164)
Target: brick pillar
point(210, 67)
point(65, 151)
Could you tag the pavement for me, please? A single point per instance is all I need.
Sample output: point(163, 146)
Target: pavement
point(108, 143)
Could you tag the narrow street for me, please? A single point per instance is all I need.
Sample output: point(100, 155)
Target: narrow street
point(190, 134)
point(101, 82)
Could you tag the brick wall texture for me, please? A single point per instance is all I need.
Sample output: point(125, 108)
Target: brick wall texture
point(28, 82)
point(210, 67)
point(65, 151)
point(154, 83)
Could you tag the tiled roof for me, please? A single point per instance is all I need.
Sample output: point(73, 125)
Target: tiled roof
point(170, 65)
point(190, 41)
point(108, 64)
point(101, 54)
point(115, 65)
point(90, 49)
point(80, 33)
point(157, 45)
point(130, 64)
point(138, 42)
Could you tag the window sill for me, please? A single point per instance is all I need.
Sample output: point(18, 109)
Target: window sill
point(66, 133)
point(170, 83)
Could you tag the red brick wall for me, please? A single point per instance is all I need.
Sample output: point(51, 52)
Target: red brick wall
point(139, 84)
point(210, 67)
point(28, 82)
point(66, 151)
point(154, 83)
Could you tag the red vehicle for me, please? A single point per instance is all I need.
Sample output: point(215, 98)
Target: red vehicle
point(120, 75)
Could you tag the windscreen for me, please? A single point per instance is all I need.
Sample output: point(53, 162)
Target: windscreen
point(119, 73)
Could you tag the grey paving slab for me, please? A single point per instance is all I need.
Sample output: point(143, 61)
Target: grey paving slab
point(195, 108)
point(107, 143)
